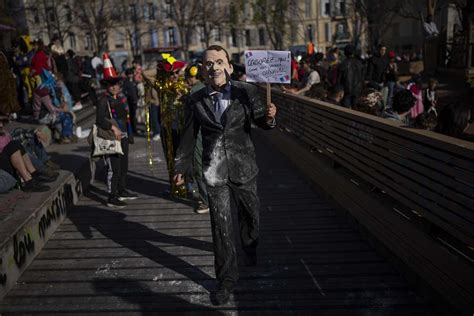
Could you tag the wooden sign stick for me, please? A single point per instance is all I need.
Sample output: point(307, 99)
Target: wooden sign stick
point(269, 93)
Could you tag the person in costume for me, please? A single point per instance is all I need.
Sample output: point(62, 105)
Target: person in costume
point(224, 110)
point(113, 114)
point(171, 88)
point(22, 59)
point(193, 74)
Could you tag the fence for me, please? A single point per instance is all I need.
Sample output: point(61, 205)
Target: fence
point(431, 174)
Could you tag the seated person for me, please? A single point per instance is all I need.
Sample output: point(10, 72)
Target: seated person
point(59, 118)
point(311, 78)
point(7, 181)
point(426, 121)
point(454, 120)
point(32, 140)
point(15, 161)
point(370, 102)
point(318, 91)
point(336, 94)
point(402, 103)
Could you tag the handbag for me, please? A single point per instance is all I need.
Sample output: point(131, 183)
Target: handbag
point(103, 141)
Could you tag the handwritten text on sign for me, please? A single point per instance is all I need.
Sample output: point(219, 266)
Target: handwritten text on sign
point(268, 66)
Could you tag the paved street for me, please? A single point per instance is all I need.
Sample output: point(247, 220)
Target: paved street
point(156, 255)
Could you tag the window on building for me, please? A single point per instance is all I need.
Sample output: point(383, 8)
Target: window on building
point(342, 7)
point(104, 40)
point(72, 40)
point(310, 32)
point(293, 10)
point(169, 10)
point(171, 37)
point(116, 13)
point(88, 43)
point(153, 38)
point(35, 14)
point(151, 11)
point(119, 39)
point(132, 10)
point(342, 28)
point(135, 39)
point(218, 34)
point(67, 8)
point(307, 8)
point(246, 10)
point(261, 36)
point(326, 7)
point(146, 16)
point(327, 32)
point(50, 14)
point(233, 35)
point(248, 39)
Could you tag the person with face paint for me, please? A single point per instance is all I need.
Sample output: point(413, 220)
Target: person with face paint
point(224, 110)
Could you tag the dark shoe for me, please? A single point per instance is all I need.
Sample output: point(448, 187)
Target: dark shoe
point(222, 295)
point(115, 203)
point(49, 172)
point(250, 259)
point(202, 208)
point(43, 177)
point(125, 195)
point(52, 165)
point(34, 186)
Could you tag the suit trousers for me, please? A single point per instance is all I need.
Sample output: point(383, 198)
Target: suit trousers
point(198, 176)
point(246, 200)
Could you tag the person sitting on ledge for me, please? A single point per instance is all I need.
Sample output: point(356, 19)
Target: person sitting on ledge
point(15, 161)
point(402, 103)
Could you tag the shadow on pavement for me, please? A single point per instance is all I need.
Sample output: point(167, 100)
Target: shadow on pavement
point(149, 302)
point(137, 238)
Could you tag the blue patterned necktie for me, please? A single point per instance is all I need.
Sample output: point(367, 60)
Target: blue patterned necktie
point(218, 107)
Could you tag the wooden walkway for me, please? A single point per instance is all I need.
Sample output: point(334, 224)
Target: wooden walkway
point(156, 256)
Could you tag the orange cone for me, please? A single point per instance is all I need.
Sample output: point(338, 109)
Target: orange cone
point(109, 70)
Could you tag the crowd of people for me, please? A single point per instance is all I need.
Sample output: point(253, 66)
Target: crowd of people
point(372, 85)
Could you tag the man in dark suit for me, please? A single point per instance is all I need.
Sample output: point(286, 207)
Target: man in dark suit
point(225, 110)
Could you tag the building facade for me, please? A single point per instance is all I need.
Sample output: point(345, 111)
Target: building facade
point(147, 27)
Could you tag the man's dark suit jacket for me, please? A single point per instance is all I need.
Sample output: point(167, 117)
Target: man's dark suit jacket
point(228, 150)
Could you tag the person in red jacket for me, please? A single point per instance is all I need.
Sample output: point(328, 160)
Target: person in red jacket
point(39, 61)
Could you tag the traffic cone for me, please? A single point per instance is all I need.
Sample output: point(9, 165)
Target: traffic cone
point(109, 70)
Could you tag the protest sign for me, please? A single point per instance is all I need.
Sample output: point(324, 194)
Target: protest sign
point(270, 66)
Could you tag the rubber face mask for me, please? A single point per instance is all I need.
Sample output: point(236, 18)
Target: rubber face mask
point(217, 69)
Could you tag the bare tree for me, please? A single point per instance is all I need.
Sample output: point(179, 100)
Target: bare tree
point(134, 32)
point(58, 16)
point(379, 14)
point(98, 17)
point(209, 20)
point(185, 14)
point(358, 22)
point(416, 9)
point(274, 15)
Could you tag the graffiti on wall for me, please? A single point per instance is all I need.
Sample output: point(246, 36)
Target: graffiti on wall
point(21, 248)
point(26, 243)
point(56, 210)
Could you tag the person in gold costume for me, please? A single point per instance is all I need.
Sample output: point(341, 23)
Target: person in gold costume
point(171, 88)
